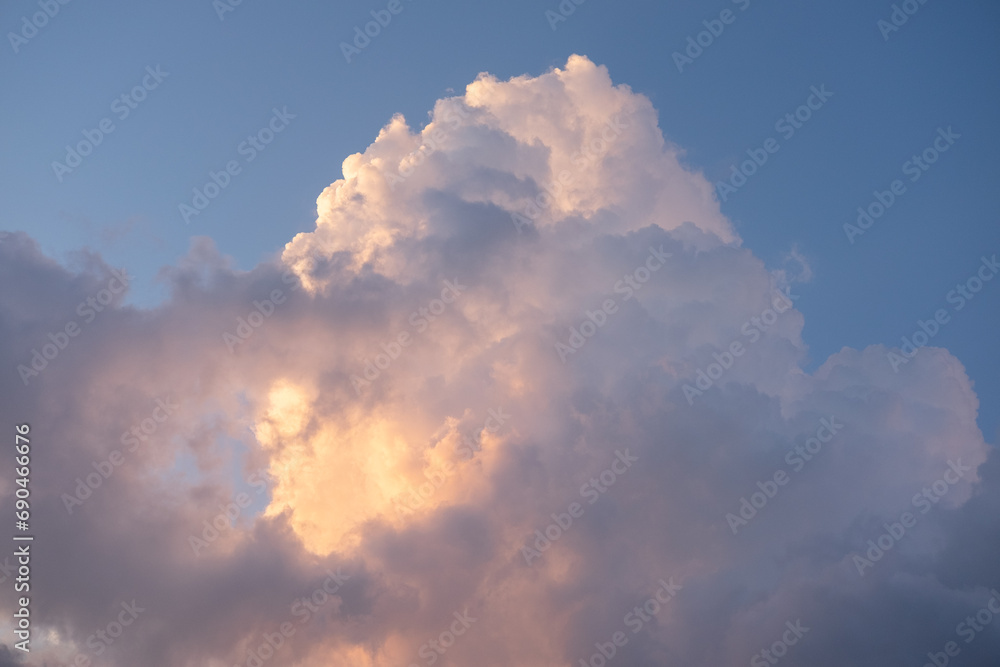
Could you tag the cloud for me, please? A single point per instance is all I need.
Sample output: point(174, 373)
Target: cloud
point(449, 362)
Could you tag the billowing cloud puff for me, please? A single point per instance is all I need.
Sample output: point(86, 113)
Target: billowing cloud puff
point(521, 398)
point(566, 152)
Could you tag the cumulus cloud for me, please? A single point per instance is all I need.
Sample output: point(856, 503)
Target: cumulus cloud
point(526, 313)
